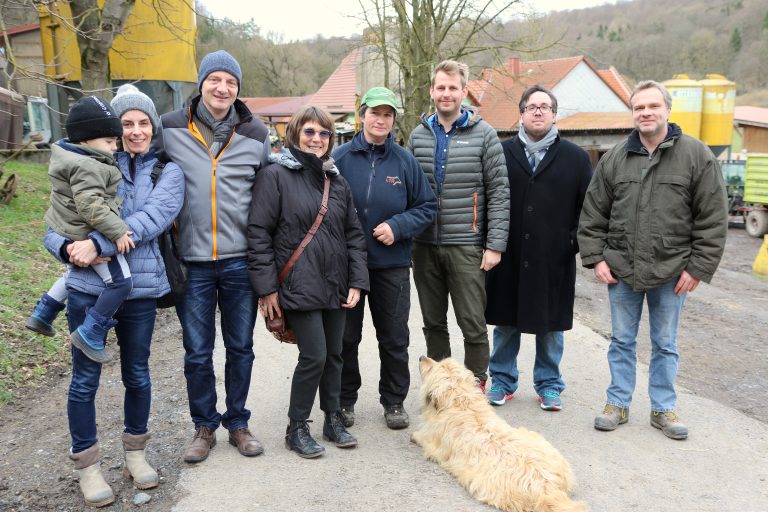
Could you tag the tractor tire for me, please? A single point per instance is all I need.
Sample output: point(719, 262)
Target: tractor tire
point(756, 223)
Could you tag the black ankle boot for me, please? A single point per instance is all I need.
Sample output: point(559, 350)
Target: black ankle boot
point(334, 431)
point(297, 438)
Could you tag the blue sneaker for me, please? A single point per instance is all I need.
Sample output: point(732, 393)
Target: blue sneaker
point(550, 401)
point(497, 396)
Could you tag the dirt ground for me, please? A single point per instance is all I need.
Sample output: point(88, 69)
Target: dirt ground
point(723, 357)
point(723, 354)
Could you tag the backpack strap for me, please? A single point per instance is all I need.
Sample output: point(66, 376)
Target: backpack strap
point(157, 170)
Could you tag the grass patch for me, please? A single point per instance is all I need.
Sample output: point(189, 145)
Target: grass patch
point(26, 271)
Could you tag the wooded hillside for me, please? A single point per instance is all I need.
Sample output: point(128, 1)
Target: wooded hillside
point(643, 39)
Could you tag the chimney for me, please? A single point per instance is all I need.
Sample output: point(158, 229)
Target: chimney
point(514, 65)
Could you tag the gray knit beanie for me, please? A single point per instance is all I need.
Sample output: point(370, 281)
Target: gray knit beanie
point(218, 61)
point(129, 97)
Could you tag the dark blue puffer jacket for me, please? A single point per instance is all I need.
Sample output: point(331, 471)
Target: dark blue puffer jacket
point(389, 186)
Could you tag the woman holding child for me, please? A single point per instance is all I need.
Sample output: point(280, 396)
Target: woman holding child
point(147, 209)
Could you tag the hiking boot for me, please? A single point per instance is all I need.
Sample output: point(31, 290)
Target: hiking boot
point(396, 417)
point(348, 412)
point(334, 431)
point(90, 337)
point(670, 424)
point(42, 317)
point(201, 445)
point(298, 439)
point(497, 396)
point(136, 466)
point(96, 490)
point(612, 417)
point(550, 401)
point(246, 443)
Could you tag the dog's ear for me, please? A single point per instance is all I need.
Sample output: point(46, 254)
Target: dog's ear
point(434, 400)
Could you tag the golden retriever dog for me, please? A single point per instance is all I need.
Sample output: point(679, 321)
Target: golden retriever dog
point(513, 469)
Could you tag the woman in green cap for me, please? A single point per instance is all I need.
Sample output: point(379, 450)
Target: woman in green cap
point(394, 203)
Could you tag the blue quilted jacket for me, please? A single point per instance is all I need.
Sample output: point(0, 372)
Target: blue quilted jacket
point(148, 211)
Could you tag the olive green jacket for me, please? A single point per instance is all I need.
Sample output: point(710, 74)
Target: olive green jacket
point(652, 216)
point(84, 184)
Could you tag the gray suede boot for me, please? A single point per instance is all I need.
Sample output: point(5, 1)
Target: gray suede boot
point(136, 466)
point(95, 489)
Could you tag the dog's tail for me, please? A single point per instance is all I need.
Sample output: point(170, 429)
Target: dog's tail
point(559, 501)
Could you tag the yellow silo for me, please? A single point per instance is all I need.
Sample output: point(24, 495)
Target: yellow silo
point(717, 111)
point(687, 97)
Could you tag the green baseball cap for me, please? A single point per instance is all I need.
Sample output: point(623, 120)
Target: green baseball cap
point(379, 96)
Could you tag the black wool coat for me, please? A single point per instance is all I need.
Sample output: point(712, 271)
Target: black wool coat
point(533, 286)
point(286, 199)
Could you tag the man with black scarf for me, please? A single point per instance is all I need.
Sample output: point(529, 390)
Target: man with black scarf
point(220, 146)
point(532, 290)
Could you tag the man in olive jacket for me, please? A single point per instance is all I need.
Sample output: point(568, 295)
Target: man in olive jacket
point(652, 227)
point(464, 163)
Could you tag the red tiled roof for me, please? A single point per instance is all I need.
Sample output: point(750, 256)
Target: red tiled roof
point(590, 121)
point(615, 81)
point(261, 102)
point(751, 115)
point(287, 107)
point(498, 90)
point(21, 29)
point(337, 94)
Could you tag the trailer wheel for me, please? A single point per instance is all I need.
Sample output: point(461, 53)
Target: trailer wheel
point(757, 223)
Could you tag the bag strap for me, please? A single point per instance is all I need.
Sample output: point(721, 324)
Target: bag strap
point(310, 234)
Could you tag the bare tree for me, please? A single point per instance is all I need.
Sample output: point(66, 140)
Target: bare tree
point(414, 35)
point(95, 28)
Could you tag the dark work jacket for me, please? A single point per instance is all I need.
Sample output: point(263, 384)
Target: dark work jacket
point(533, 286)
point(389, 186)
point(286, 199)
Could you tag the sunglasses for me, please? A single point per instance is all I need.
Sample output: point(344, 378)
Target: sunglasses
point(310, 132)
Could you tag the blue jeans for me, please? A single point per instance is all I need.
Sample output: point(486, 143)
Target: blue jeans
point(136, 321)
point(664, 307)
point(546, 367)
point(222, 282)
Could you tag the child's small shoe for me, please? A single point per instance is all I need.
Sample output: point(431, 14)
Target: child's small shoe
point(42, 317)
point(90, 337)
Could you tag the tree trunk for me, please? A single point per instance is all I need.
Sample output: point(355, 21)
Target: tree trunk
point(97, 29)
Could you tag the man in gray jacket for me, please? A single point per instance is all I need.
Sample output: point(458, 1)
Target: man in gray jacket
point(220, 146)
point(464, 163)
point(653, 226)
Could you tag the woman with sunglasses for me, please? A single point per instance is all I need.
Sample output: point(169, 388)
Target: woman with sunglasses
point(324, 281)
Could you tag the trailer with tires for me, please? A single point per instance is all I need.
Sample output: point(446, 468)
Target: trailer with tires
point(755, 205)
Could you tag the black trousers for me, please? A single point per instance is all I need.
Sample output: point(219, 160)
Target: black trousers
point(390, 303)
point(318, 336)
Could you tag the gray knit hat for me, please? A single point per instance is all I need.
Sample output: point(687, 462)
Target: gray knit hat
point(129, 97)
point(219, 61)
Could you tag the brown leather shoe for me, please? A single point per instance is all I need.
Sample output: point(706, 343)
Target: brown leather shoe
point(246, 444)
point(201, 445)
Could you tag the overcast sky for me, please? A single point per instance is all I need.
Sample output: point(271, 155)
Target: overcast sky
point(302, 19)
